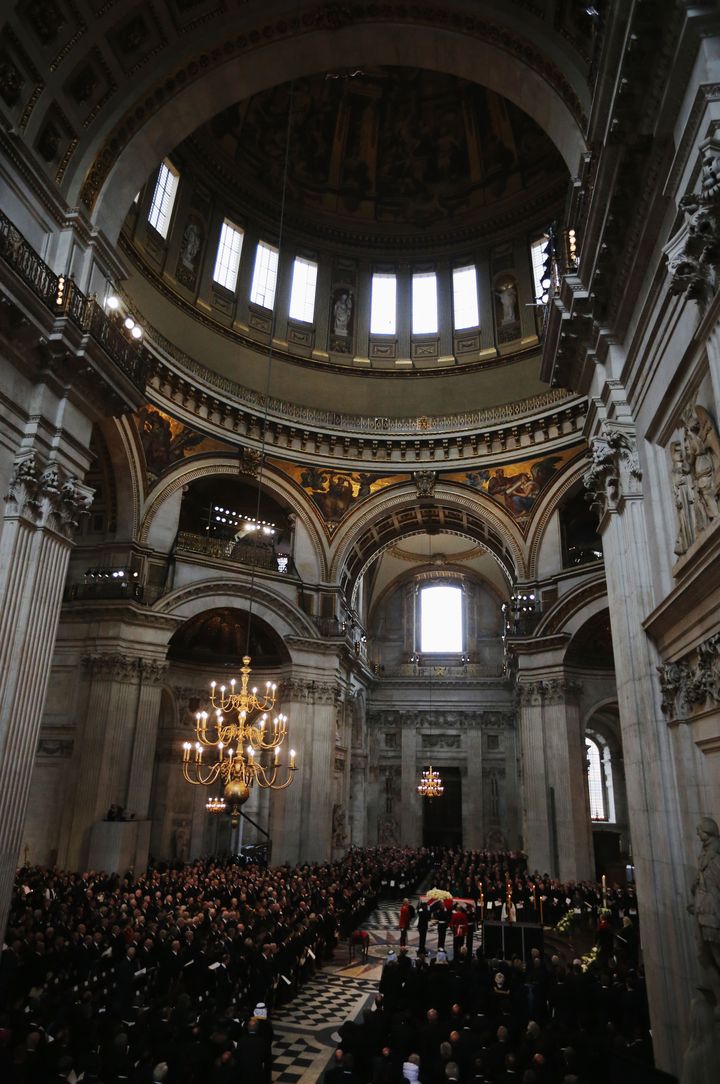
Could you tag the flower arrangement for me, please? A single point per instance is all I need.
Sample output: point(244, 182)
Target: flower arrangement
point(565, 924)
point(589, 959)
point(438, 894)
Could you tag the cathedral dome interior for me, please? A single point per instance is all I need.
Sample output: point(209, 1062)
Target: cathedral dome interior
point(380, 344)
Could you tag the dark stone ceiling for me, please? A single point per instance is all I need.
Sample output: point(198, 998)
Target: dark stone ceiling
point(385, 150)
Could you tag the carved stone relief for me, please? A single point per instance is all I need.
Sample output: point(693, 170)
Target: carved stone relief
point(687, 686)
point(615, 471)
point(695, 468)
point(440, 741)
point(693, 254)
point(51, 496)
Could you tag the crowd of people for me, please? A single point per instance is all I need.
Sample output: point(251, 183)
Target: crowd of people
point(451, 1013)
point(167, 976)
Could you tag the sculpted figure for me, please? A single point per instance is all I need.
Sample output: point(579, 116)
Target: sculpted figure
point(702, 463)
point(683, 494)
point(705, 905)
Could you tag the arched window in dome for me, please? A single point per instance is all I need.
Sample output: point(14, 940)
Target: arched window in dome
point(302, 295)
point(537, 259)
point(465, 298)
point(163, 198)
point(383, 304)
point(441, 619)
point(227, 260)
point(265, 274)
point(600, 780)
point(424, 303)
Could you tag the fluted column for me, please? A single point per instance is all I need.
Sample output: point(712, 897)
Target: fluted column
point(42, 510)
point(286, 805)
point(151, 674)
point(316, 841)
point(567, 771)
point(536, 820)
point(410, 808)
point(472, 799)
point(663, 866)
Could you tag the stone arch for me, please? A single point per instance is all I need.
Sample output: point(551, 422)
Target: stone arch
point(107, 178)
point(285, 618)
point(399, 515)
point(276, 484)
point(573, 609)
point(549, 504)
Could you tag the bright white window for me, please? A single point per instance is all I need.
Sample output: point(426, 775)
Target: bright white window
point(227, 260)
point(465, 298)
point(441, 619)
point(537, 258)
point(264, 280)
point(163, 198)
point(424, 303)
point(302, 295)
point(598, 811)
point(383, 304)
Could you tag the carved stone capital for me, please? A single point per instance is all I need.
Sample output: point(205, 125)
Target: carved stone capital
point(693, 253)
point(615, 473)
point(530, 693)
point(558, 691)
point(48, 495)
point(687, 686)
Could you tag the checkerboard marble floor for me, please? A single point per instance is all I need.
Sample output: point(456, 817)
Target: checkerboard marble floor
point(305, 1029)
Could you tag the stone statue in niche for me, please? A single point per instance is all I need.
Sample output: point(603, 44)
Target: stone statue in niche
point(387, 831)
point(338, 826)
point(190, 246)
point(182, 842)
point(695, 476)
point(507, 319)
point(342, 320)
point(705, 905)
point(700, 1061)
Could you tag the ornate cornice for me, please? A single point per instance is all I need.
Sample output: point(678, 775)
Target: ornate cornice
point(48, 496)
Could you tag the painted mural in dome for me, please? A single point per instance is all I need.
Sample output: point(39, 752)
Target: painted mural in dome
point(401, 146)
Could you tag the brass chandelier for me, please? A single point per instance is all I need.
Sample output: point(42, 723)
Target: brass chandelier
point(430, 785)
point(239, 734)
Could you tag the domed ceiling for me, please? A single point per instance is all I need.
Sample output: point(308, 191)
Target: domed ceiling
point(384, 150)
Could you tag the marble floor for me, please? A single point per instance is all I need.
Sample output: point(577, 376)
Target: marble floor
point(306, 1029)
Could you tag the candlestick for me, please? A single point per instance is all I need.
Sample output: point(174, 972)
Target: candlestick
point(604, 891)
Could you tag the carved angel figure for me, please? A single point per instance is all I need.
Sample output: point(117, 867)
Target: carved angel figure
point(684, 498)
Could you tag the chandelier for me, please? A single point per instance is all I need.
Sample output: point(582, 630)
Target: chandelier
point(430, 785)
point(236, 737)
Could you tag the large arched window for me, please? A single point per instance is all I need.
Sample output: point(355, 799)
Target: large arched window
point(600, 782)
point(441, 619)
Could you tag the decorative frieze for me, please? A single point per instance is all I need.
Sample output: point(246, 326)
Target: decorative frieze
point(54, 747)
point(615, 472)
point(690, 686)
point(446, 720)
point(117, 667)
point(440, 741)
point(49, 495)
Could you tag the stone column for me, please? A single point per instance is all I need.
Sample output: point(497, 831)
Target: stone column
point(472, 796)
point(286, 805)
point(316, 840)
point(42, 510)
point(115, 758)
point(662, 877)
point(534, 783)
point(567, 770)
point(410, 808)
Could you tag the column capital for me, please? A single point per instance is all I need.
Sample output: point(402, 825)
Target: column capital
point(615, 474)
point(686, 686)
point(48, 495)
point(530, 692)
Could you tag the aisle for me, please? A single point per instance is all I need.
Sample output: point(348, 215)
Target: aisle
point(306, 1029)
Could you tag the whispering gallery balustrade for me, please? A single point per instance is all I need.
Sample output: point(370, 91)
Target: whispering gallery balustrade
point(64, 300)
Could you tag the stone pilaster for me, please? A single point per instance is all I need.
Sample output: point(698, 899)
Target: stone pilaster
point(534, 781)
point(472, 794)
point(316, 842)
point(42, 510)
point(410, 807)
point(286, 805)
point(615, 481)
point(567, 771)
